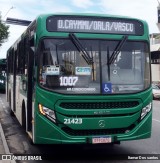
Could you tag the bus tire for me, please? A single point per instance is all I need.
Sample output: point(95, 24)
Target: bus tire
point(23, 116)
point(30, 140)
point(11, 111)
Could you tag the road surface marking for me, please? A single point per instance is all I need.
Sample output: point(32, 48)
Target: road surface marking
point(6, 111)
point(156, 120)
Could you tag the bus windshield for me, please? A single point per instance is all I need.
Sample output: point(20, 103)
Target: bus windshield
point(63, 68)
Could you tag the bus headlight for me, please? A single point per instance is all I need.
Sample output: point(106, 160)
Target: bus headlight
point(50, 114)
point(146, 110)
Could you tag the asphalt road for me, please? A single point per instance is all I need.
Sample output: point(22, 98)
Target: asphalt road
point(18, 143)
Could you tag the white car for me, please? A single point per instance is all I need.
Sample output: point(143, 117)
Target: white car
point(156, 91)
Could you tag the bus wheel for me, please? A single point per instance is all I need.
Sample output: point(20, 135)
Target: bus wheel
point(23, 117)
point(11, 111)
point(30, 140)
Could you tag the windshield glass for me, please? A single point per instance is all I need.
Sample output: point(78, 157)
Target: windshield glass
point(64, 69)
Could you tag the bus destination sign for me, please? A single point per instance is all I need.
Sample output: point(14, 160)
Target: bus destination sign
point(95, 25)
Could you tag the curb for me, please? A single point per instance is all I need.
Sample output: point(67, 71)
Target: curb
point(5, 145)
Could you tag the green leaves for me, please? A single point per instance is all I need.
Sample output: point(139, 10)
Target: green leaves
point(4, 33)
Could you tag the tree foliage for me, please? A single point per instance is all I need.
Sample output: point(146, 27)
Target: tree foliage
point(4, 32)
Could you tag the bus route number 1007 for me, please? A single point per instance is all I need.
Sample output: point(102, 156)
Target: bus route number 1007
point(68, 81)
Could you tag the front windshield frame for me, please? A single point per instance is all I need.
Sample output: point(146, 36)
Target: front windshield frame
point(101, 84)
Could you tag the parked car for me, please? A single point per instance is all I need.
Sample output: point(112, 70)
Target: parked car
point(156, 91)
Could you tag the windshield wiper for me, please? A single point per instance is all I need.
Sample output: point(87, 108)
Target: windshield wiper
point(117, 50)
point(80, 48)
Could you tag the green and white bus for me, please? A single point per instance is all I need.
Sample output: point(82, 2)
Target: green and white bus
point(81, 78)
point(2, 74)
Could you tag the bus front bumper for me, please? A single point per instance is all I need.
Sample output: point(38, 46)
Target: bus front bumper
point(47, 133)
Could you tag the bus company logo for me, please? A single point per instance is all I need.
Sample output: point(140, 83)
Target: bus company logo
point(101, 123)
point(83, 71)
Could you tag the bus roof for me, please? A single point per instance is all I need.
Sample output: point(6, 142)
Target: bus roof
point(41, 19)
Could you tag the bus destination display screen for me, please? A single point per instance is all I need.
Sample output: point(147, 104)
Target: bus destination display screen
point(94, 25)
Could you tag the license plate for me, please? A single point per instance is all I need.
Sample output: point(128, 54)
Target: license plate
point(98, 140)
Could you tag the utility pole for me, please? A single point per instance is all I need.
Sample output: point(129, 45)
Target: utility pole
point(15, 21)
point(158, 11)
point(8, 11)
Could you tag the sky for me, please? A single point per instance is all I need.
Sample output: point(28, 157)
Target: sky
point(30, 9)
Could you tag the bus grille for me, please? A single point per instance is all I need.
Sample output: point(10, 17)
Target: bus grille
point(72, 132)
point(99, 105)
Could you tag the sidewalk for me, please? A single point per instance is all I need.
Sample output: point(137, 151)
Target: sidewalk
point(3, 144)
point(2, 150)
point(4, 147)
